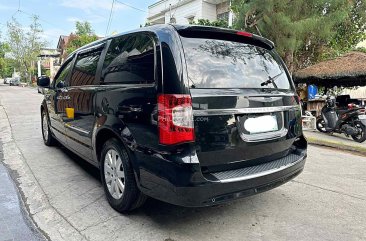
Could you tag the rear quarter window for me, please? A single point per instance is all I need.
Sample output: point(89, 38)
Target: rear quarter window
point(129, 60)
point(213, 63)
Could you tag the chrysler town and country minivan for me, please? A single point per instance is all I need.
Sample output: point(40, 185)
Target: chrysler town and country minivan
point(190, 115)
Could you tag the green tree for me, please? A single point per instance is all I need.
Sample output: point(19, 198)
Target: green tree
point(350, 32)
point(8, 68)
point(84, 34)
point(302, 30)
point(83, 28)
point(205, 22)
point(4, 49)
point(25, 45)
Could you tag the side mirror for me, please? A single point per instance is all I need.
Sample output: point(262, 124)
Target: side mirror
point(43, 81)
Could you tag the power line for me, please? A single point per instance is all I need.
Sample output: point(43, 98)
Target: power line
point(110, 18)
point(130, 6)
point(34, 15)
point(17, 11)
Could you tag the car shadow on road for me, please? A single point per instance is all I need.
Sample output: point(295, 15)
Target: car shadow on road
point(168, 216)
point(164, 214)
point(86, 166)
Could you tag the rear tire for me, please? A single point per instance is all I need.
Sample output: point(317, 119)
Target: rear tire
point(361, 137)
point(118, 178)
point(48, 139)
point(320, 125)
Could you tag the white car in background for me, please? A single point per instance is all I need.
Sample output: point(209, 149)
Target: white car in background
point(14, 81)
point(6, 80)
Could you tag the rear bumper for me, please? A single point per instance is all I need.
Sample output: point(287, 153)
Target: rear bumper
point(185, 185)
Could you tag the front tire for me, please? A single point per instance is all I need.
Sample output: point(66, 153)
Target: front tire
point(118, 178)
point(320, 125)
point(48, 139)
point(361, 137)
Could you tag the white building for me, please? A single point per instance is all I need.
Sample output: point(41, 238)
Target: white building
point(186, 11)
point(359, 93)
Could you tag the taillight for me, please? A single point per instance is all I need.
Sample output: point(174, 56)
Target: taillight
point(175, 119)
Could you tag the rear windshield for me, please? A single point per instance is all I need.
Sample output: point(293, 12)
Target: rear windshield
point(213, 63)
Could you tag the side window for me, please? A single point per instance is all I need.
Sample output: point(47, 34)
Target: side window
point(62, 75)
point(129, 60)
point(85, 68)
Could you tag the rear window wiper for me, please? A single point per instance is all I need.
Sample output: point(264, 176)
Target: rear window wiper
point(193, 84)
point(271, 80)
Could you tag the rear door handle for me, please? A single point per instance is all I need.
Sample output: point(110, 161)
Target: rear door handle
point(130, 109)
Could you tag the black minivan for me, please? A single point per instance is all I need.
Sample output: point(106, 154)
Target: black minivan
point(190, 115)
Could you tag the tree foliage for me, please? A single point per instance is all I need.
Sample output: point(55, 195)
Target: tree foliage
point(205, 22)
point(350, 32)
point(4, 49)
point(303, 31)
point(83, 28)
point(7, 69)
point(6, 64)
point(84, 34)
point(25, 45)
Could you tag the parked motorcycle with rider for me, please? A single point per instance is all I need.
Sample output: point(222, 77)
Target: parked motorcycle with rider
point(351, 122)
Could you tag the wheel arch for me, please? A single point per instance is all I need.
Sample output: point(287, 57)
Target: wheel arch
point(101, 137)
point(106, 133)
point(43, 107)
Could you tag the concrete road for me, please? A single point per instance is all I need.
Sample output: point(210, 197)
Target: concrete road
point(64, 197)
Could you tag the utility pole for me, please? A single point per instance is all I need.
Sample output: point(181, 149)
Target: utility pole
point(230, 15)
point(39, 67)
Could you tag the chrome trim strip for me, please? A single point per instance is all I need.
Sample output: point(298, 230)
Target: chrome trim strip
point(77, 129)
point(244, 110)
point(260, 174)
point(264, 136)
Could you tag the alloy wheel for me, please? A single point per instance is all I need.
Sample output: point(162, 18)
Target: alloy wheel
point(114, 173)
point(45, 127)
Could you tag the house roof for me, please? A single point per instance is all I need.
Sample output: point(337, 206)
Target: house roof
point(63, 38)
point(347, 70)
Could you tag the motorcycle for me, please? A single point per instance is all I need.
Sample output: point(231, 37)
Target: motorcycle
point(351, 122)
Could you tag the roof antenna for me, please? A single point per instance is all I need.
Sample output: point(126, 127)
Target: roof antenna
point(170, 11)
point(172, 18)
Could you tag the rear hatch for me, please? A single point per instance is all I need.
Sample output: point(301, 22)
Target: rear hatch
point(245, 108)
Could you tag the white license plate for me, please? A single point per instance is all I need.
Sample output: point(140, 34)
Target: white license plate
point(261, 124)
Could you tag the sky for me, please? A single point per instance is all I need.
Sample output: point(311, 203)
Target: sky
point(58, 17)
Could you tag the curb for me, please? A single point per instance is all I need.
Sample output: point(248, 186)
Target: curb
point(336, 145)
point(45, 217)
